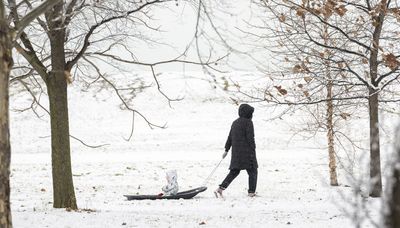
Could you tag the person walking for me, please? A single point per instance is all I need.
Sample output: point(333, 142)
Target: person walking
point(241, 139)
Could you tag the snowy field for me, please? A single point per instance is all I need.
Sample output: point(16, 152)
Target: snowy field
point(293, 189)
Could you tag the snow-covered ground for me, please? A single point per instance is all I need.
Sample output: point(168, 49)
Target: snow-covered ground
point(293, 189)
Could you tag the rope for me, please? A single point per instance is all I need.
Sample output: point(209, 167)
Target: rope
point(212, 172)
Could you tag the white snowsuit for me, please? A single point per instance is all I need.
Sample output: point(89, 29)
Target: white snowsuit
point(172, 187)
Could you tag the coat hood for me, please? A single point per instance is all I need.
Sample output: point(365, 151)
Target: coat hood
point(172, 176)
point(246, 111)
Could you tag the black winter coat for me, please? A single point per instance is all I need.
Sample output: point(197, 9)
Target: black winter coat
point(241, 139)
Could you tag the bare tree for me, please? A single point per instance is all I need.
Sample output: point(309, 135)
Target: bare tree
point(8, 33)
point(353, 40)
point(71, 41)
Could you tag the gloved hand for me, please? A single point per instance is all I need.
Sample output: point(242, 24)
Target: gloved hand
point(224, 155)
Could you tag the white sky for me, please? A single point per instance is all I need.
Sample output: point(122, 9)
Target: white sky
point(179, 24)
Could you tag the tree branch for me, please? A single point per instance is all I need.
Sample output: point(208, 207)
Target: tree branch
point(86, 42)
point(32, 58)
point(32, 15)
point(117, 91)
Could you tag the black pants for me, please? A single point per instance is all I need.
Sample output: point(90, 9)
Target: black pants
point(235, 172)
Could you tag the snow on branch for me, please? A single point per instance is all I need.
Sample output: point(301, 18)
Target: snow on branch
point(32, 15)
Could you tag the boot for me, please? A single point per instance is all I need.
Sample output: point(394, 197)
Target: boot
point(252, 194)
point(218, 193)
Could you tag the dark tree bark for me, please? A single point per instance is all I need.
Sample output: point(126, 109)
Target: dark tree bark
point(391, 218)
point(63, 187)
point(375, 157)
point(6, 63)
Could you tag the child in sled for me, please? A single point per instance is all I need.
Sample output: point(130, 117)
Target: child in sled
point(172, 184)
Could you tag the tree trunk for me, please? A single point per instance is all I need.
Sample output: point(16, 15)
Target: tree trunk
point(331, 145)
point(375, 158)
point(391, 211)
point(5, 149)
point(63, 187)
point(329, 112)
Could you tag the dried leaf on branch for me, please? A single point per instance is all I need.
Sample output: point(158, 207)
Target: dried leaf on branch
point(390, 61)
point(281, 90)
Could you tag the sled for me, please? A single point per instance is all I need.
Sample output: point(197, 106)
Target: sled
point(180, 195)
